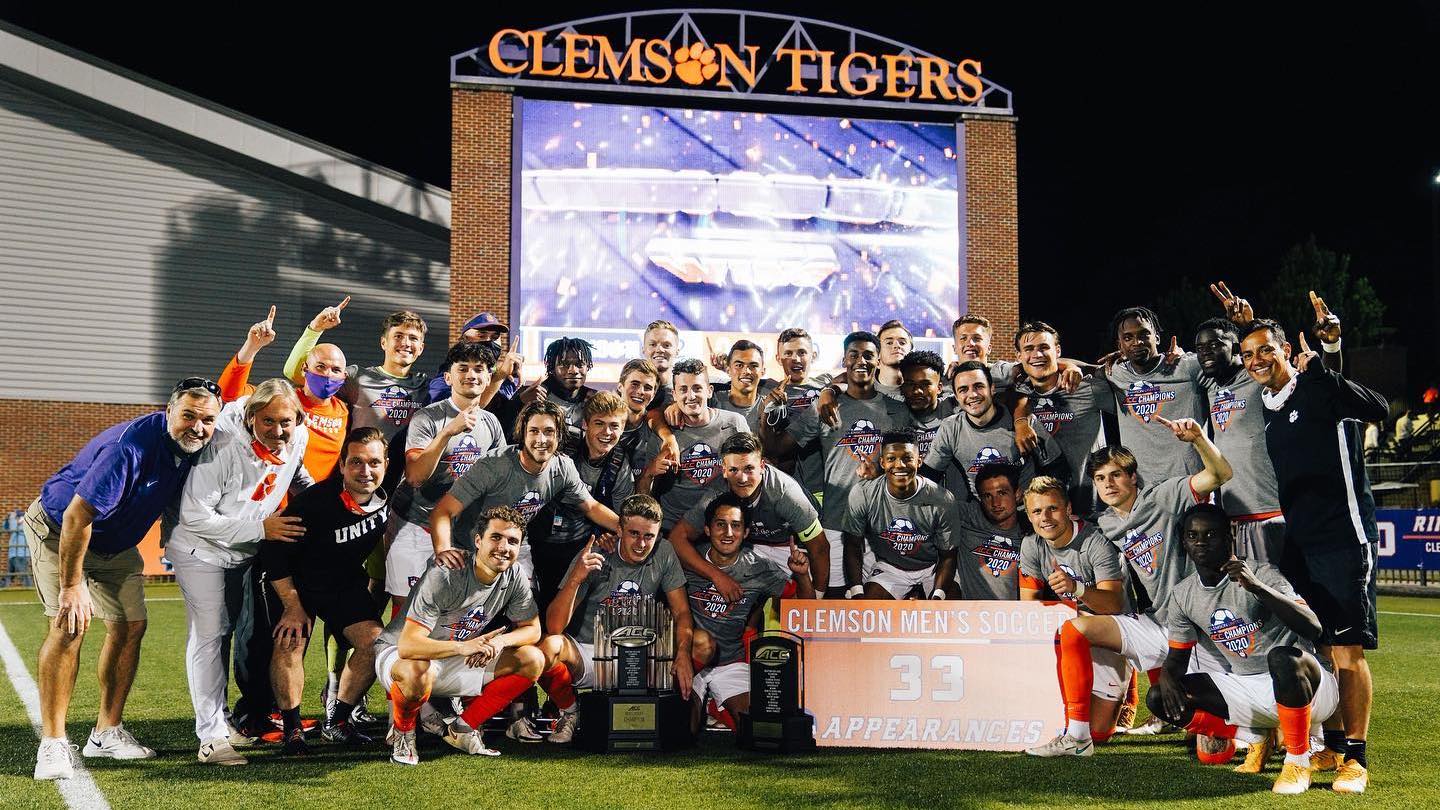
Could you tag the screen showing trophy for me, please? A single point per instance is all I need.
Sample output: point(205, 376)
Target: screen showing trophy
point(698, 216)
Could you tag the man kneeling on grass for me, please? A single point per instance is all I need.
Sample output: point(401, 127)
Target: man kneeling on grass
point(439, 647)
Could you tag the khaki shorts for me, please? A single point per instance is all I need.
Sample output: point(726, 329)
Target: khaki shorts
point(116, 581)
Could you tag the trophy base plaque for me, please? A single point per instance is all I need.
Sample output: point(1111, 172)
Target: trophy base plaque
point(788, 734)
point(611, 722)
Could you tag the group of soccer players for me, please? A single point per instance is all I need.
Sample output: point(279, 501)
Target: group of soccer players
point(1206, 514)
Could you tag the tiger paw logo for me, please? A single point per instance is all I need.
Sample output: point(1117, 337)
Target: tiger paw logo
point(1145, 400)
point(902, 536)
point(699, 463)
point(861, 440)
point(987, 455)
point(999, 557)
point(696, 64)
point(1235, 634)
point(1142, 550)
point(1224, 408)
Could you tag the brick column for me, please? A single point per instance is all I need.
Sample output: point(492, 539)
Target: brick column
point(480, 171)
point(993, 228)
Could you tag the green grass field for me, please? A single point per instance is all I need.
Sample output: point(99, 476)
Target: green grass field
point(1130, 773)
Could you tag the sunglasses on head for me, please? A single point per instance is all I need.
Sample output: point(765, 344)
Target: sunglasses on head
point(190, 383)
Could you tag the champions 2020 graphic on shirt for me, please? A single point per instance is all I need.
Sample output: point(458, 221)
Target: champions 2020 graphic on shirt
point(902, 536)
point(470, 624)
point(1234, 633)
point(397, 404)
point(699, 463)
point(861, 440)
point(1145, 400)
point(997, 557)
point(1224, 408)
point(1141, 549)
point(987, 455)
point(1053, 418)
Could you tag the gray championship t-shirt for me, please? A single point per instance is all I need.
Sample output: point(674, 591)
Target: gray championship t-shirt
point(1149, 538)
point(1088, 558)
point(563, 523)
point(382, 401)
point(1073, 421)
point(909, 534)
point(720, 398)
point(499, 479)
point(658, 574)
point(779, 510)
point(1234, 621)
point(759, 579)
point(699, 466)
point(970, 447)
point(862, 421)
point(988, 566)
point(453, 605)
point(1173, 393)
point(1237, 426)
point(460, 454)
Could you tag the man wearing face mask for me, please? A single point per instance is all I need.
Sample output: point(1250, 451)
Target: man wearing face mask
point(226, 508)
point(82, 532)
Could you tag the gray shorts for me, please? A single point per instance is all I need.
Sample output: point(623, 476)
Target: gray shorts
point(116, 581)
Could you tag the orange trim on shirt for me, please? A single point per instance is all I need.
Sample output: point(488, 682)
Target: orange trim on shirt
point(1181, 645)
point(418, 624)
point(1031, 583)
point(1257, 517)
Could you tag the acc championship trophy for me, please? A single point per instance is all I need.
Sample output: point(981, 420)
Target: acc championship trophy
point(634, 706)
point(777, 720)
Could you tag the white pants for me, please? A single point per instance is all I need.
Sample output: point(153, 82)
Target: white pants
point(453, 677)
point(1251, 699)
point(837, 557)
point(213, 598)
point(405, 562)
point(723, 682)
point(586, 678)
point(1145, 644)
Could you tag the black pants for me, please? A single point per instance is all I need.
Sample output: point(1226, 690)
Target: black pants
point(253, 646)
point(551, 561)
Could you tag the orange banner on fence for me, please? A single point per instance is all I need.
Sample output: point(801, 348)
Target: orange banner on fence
point(976, 675)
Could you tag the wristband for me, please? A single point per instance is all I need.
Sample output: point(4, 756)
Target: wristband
point(854, 591)
point(938, 593)
point(1330, 348)
point(1079, 590)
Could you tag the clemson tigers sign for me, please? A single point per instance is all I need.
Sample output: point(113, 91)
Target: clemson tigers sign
point(642, 62)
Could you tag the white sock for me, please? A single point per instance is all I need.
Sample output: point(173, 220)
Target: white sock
point(1303, 760)
point(60, 739)
point(1078, 729)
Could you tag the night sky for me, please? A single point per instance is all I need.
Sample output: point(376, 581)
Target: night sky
point(1150, 147)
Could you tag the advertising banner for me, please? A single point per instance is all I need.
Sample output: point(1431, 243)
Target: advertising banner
point(1409, 538)
point(975, 675)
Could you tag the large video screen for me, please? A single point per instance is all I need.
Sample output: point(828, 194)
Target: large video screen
point(732, 225)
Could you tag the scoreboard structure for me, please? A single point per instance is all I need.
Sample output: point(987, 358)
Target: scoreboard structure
point(735, 173)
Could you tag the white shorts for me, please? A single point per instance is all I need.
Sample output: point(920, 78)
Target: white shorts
point(453, 677)
point(410, 552)
point(525, 561)
point(1251, 698)
point(1145, 644)
point(1259, 540)
point(723, 682)
point(586, 678)
point(777, 554)
point(837, 557)
point(898, 581)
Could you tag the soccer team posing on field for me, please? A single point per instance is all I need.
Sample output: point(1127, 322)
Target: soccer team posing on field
point(1206, 514)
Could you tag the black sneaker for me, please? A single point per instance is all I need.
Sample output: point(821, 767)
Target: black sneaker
point(295, 745)
point(346, 734)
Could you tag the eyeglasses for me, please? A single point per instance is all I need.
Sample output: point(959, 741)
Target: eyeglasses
point(190, 383)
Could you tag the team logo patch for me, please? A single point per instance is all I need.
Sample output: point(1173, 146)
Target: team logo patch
point(699, 463)
point(1142, 550)
point(903, 537)
point(470, 624)
point(1224, 408)
point(862, 440)
point(1145, 400)
point(462, 455)
point(987, 455)
point(396, 404)
point(998, 558)
point(799, 399)
point(1293, 416)
point(529, 504)
point(1234, 633)
point(1050, 415)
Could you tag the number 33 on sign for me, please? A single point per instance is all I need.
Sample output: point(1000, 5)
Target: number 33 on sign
point(976, 675)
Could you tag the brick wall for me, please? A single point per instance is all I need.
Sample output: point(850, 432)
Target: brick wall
point(40, 437)
point(480, 205)
point(993, 232)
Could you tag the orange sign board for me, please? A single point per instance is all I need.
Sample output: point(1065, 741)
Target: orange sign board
point(973, 675)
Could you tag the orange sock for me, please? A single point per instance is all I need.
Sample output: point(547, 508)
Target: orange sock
point(1295, 729)
point(720, 713)
point(1132, 694)
point(498, 694)
point(1102, 736)
point(558, 685)
point(406, 710)
point(1208, 724)
point(1077, 673)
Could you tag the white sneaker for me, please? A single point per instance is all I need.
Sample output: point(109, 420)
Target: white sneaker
point(1063, 746)
point(523, 731)
point(402, 748)
point(470, 742)
point(235, 738)
point(1148, 728)
point(564, 728)
point(220, 752)
point(117, 743)
point(53, 760)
